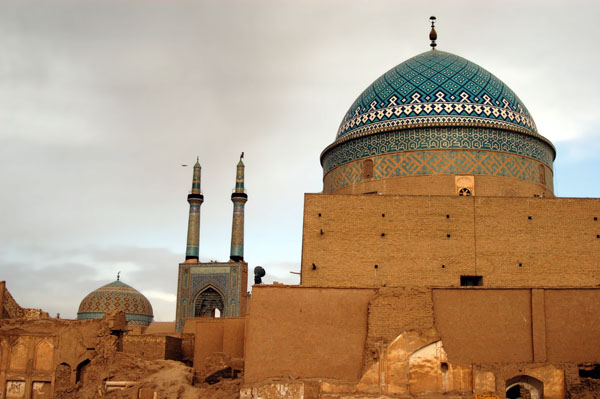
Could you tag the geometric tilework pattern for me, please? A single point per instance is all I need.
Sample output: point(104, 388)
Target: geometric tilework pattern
point(116, 296)
point(432, 138)
point(436, 88)
point(195, 278)
point(201, 281)
point(437, 162)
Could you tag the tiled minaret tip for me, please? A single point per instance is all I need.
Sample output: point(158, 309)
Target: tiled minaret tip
point(239, 198)
point(195, 199)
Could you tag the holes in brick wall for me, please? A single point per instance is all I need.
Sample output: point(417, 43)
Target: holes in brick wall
point(314, 267)
point(383, 215)
point(319, 215)
point(443, 266)
point(321, 231)
point(448, 235)
point(597, 235)
point(471, 281)
point(383, 234)
point(595, 218)
point(520, 265)
point(589, 371)
point(376, 266)
point(444, 367)
point(529, 217)
point(447, 216)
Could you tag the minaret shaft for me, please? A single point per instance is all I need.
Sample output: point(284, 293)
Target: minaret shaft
point(239, 199)
point(195, 199)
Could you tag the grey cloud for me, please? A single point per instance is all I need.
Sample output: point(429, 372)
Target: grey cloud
point(101, 102)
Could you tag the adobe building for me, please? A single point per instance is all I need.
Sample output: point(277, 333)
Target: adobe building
point(437, 262)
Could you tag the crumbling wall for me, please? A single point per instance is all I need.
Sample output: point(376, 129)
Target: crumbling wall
point(9, 308)
point(151, 347)
point(51, 355)
point(393, 311)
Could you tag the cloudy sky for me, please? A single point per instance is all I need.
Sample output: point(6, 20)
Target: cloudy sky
point(102, 102)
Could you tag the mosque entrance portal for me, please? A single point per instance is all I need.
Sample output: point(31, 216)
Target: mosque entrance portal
point(209, 303)
point(524, 387)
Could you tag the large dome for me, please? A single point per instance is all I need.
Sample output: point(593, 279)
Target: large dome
point(117, 296)
point(438, 114)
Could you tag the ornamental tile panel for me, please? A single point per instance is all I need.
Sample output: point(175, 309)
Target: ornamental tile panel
point(435, 139)
point(414, 163)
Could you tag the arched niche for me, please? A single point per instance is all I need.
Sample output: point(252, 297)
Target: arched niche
point(430, 372)
point(44, 356)
point(18, 355)
point(207, 301)
point(62, 377)
point(524, 386)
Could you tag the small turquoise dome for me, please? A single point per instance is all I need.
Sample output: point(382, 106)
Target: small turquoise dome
point(436, 88)
point(117, 296)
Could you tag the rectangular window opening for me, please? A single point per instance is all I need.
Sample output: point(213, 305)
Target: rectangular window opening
point(589, 371)
point(471, 281)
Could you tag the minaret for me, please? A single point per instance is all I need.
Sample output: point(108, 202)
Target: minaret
point(239, 198)
point(195, 198)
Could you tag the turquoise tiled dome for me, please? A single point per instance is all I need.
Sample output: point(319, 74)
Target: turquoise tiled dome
point(437, 114)
point(116, 296)
point(436, 88)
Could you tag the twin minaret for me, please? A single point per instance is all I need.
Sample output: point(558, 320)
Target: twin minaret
point(239, 198)
point(195, 199)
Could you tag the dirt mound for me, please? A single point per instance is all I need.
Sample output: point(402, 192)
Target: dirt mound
point(168, 378)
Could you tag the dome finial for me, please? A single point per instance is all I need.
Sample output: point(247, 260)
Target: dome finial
point(433, 33)
point(118, 275)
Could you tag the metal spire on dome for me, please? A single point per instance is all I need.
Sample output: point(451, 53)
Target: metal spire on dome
point(433, 33)
point(118, 275)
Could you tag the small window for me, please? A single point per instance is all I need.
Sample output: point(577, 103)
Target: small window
point(471, 281)
point(464, 192)
point(367, 169)
point(589, 371)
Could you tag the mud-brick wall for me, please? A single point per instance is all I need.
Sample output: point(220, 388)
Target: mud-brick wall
point(393, 311)
point(395, 240)
point(306, 333)
point(215, 335)
point(153, 346)
point(518, 325)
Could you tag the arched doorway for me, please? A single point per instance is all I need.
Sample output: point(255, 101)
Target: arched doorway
point(81, 370)
point(524, 387)
point(207, 302)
